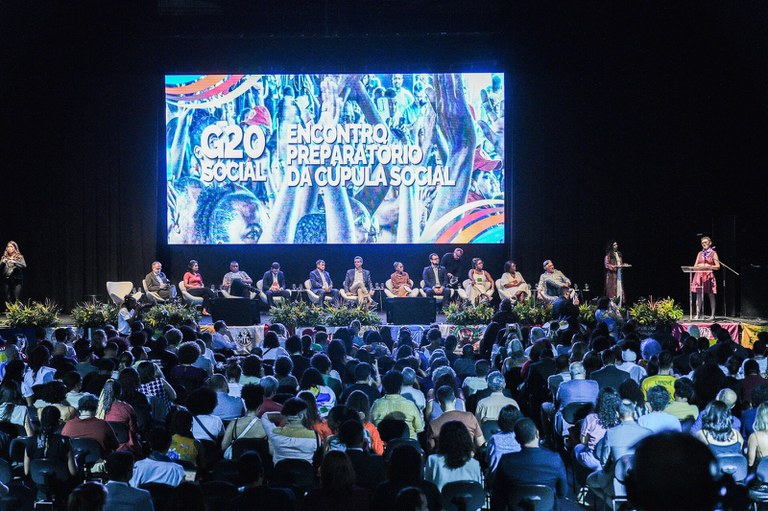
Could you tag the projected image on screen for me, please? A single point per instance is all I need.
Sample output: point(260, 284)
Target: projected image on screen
point(376, 158)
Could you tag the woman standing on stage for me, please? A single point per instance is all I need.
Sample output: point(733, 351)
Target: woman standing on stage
point(613, 262)
point(12, 267)
point(703, 281)
point(194, 284)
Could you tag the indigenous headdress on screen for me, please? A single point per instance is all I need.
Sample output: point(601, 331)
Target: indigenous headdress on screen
point(484, 162)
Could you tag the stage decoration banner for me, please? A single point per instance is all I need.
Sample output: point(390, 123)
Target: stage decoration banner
point(749, 333)
point(705, 330)
point(352, 158)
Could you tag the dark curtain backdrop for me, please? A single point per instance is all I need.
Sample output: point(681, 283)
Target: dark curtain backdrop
point(647, 125)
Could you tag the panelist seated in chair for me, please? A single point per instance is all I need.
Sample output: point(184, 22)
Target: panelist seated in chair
point(402, 285)
point(512, 285)
point(273, 283)
point(357, 282)
point(158, 283)
point(435, 279)
point(320, 283)
point(237, 283)
point(552, 283)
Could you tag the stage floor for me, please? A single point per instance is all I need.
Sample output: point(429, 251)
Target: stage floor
point(66, 319)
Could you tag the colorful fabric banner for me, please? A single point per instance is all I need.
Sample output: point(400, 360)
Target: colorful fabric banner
point(749, 333)
point(705, 329)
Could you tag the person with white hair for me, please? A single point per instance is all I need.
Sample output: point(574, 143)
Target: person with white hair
point(488, 408)
point(551, 282)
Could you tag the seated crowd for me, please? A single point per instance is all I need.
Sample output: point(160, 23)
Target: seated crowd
point(322, 420)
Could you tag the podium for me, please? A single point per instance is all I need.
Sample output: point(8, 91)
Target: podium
point(691, 270)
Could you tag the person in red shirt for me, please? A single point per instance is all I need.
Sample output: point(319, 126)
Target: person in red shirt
point(86, 425)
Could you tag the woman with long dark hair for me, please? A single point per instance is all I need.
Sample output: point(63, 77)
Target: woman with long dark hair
point(337, 487)
point(38, 372)
point(717, 430)
point(404, 470)
point(13, 407)
point(12, 266)
point(193, 282)
point(454, 460)
point(613, 262)
point(595, 425)
point(113, 409)
point(49, 444)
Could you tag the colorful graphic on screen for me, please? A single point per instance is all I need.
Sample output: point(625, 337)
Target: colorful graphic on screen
point(304, 159)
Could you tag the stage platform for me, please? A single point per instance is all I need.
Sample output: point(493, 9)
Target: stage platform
point(742, 330)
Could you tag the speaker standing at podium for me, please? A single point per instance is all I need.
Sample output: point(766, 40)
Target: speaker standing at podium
point(704, 282)
point(613, 263)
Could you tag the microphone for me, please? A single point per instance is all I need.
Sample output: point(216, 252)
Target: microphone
point(699, 234)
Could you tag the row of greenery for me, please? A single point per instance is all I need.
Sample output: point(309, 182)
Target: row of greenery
point(648, 312)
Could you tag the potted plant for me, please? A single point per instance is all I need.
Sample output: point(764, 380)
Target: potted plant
point(342, 316)
point(587, 314)
point(297, 314)
point(533, 314)
point(32, 314)
point(468, 314)
point(651, 313)
point(91, 315)
point(25, 317)
point(174, 314)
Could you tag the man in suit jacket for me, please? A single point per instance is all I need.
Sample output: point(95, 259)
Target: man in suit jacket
point(435, 279)
point(531, 465)
point(358, 282)
point(369, 468)
point(120, 495)
point(273, 284)
point(157, 282)
point(321, 284)
point(609, 375)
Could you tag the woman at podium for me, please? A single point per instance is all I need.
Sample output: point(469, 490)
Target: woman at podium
point(613, 263)
point(703, 281)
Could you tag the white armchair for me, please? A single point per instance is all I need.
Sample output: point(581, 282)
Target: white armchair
point(263, 295)
point(117, 291)
point(313, 297)
point(188, 298)
point(390, 294)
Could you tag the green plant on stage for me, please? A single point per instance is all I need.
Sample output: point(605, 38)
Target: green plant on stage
point(342, 315)
point(94, 315)
point(650, 312)
point(174, 314)
point(32, 314)
point(532, 314)
point(468, 314)
point(297, 314)
point(587, 314)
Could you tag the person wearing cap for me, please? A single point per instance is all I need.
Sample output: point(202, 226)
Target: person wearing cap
point(273, 284)
point(484, 184)
point(551, 282)
point(636, 372)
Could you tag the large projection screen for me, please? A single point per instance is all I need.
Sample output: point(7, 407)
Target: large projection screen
point(352, 158)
